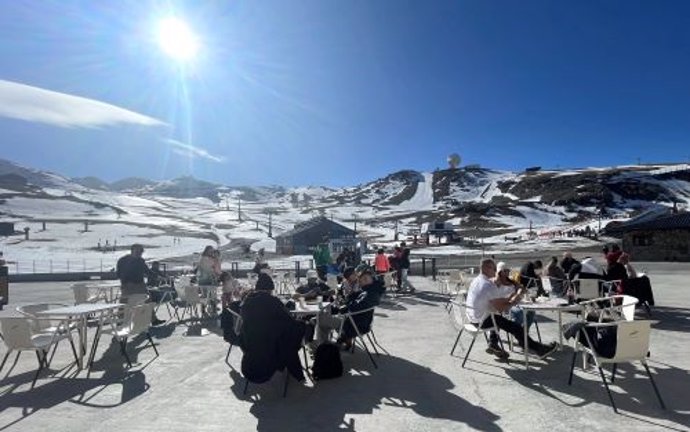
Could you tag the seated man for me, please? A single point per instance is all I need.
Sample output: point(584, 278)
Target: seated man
point(369, 296)
point(314, 288)
point(270, 337)
point(349, 284)
point(485, 301)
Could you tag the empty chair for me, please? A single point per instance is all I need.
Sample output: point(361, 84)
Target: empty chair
point(18, 336)
point(137, 321)
point(632, 345)
point(589, 289)
point(82, 294)
point(57, 327)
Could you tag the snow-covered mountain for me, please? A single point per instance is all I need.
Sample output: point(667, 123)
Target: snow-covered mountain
point(479, 201)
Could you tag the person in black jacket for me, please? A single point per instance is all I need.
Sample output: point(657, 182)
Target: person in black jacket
point(367, 297)
point(404, 269)
point(270, 337)
point(529, 277)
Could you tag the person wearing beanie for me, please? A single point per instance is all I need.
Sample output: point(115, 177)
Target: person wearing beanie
point(271, 338)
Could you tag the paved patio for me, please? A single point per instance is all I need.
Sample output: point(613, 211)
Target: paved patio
point(418, 387)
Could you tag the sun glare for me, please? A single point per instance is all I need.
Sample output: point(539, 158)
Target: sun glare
point(177, 40)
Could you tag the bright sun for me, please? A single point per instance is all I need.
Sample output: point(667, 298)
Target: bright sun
point(177, 40)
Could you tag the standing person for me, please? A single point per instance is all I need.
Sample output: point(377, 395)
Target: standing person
point(208, 268)
point(556, 276)
point(322, 259)
point(131, 270)
point(404, 269)
point(570, 264)
point(381, 263)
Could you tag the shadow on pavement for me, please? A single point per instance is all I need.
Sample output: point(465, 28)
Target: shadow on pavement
point(396, 383)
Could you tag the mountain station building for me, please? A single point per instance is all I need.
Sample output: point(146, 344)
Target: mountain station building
point(305, 236)
point(663, 238)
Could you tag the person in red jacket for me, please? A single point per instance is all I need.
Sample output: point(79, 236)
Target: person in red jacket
point(381, 263)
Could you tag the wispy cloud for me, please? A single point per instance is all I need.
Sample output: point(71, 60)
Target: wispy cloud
point(34, 104)
point(189, 150)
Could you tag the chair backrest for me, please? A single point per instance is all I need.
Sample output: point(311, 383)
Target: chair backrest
point(32, 310)
point(388, 280)
point(589, 289)
point(81, 293)
point(628, 307)
point(191, 295)
point(136, 299)
point(140, 318)
point(546, 283)
point(16, 333)
point(632, 340)
point(455, 276)
point(181, 286)
point(237, 318)
point(332, 281)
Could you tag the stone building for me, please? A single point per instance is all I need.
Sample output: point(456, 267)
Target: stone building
point(664, 238)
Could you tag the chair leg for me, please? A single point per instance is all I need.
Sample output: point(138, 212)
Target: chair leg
point(148, 335)
point(123, 349)
point(467, 354)
point(572, 367)
point(4, 359)
point(613, 372)
point(287, 380)
point(53, 354)
point(94, 347)
point(656, 390)
point(41, 363)
point(74, 349)
point(603, 378)
point(457, 339)
point(364, 344)
point(536, 326)
point(373, 344)
point(227, 356)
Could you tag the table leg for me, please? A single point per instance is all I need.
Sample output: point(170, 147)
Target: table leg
point(560, 330)
point(82, 342)
point(524, 329)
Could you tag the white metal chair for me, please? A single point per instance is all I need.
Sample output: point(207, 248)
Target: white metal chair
point(59, 327)
point(589, 289)
point(19, 336)
point(473, 329)
point(442, 278)
point(82, 294)
point(189, 299)
point(616, 307)
point(137, 321)
point(236, 327)
point(349, 317)
point(632, 345)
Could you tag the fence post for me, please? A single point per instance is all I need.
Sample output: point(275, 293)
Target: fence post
point(424, 266)
point(433, 268)
point(297, 270)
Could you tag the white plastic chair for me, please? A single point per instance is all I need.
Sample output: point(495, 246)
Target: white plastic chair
point(472, 329)
point(137, 321)
point(589, 289)
point(18, 336)
point(616, 307)
point(632, 345)
point(82, 294)
point(57, 327)
point(360, 335)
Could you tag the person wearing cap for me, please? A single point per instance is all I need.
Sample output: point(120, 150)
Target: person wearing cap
point(313, 288)
point(270, 338)
point(369, 296)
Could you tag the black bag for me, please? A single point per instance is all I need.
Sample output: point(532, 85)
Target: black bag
point(327, 363)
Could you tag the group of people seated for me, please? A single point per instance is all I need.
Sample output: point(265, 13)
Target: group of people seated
point(271, 338)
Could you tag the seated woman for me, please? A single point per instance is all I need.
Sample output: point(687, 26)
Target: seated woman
point(509, 287)
point(635, 285)
point(208, 269)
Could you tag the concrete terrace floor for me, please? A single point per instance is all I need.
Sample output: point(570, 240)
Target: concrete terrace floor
point(418, 387)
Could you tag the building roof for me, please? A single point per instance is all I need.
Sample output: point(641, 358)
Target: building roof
point(310, 224)
point(664, 222)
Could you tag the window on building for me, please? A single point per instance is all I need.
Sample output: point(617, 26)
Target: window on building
point(643, 240)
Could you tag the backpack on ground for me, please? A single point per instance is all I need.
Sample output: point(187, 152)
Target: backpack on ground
point(327, 363)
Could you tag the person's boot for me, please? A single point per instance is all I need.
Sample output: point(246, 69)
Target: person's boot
point(495, 349)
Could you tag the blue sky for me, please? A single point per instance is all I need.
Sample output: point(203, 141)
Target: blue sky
point(341, 92)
